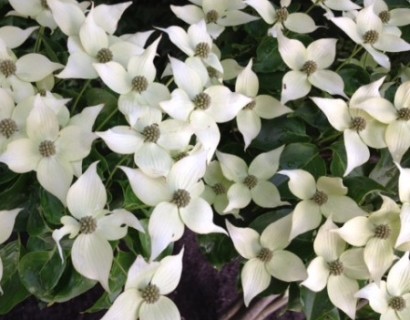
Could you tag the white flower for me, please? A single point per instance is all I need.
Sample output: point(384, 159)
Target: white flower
point(378, 234)
point(13, 36)
point(336, 268)
point(340, 5)
point(266, 257)
point(7, 218)
point(262, 106)
point(177, 201)
point(93, 226)
point(251, 183)
point(145, 290)
point(403, 240)
point(368, 32)
point(391, 298)
point(48, 150)
point(217, 14)
point(325, 197)
point(297, 22)
point(308, 68)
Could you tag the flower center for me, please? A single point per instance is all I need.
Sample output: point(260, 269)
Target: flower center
point(250, 106)
point(8, 127)
point(88, 225)
point(219, 189)
point(202, 101)
point(370, 36)
point(202, 50)
point(250, 181)
point(212, 72)
point(309, 67)
point(104, 55)
point(150, 294)
point(403, 114)
point(181, 198)
point(320, 197)
point(282, 14)
point(335, 268)
point(42, 92)
point(180, 156)
point(382, 231)
point(358, 124)
point(397, 303)
point(151, 133)
point(265, 255)
point(47, 148)
point(385, 16)
point(7, 67)
point(44, 4)
point(139, 84)
point(211, 16)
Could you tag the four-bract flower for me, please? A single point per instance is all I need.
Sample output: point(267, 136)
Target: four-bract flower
point(336, 268)
point(262, 106)
point(7, 219)
point(266, 256)
point(93, 226)
point(217, 14)
point(177, 201)
point(308, 68)
point(367, 31)
point(251, 183)
point(145, 290)
point(391, 298)
point(325, 197)
point(403, 240)
point(340, 5)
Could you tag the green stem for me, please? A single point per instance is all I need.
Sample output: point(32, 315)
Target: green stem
point(329, 138)
point(310, 8)
point(356, 50)
point(38, 40)
point(123, 159)
point(169, 81)
point(107, 119)
point(77, 100)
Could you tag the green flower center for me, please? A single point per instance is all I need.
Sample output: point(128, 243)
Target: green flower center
point(265, 255)
point(250, 106)
point(309, 67)
point(282, 14)
point(335, 268)
point(202, 50)
point(358, 124)
point(382, 231)
point(181, 198)
point(180, 156)
point(104, 55)
point(139, 84)
point(8, 127)
point(151, 133)
point(370, 36)
point(250, 181)
point(7, 67)
point(150, 294)
point(212, 72)
point(385, 16)
point(42, 92)
point(397, 303)
point(219, 189)
point(44, 4)
point(47, 148)
point(88, 225)
point(320, 197)
point(211, 16)
point(403, 114)
point(202, 101)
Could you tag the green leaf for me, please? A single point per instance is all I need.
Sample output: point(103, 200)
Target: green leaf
point(317, 305)
point(51, 208)
point(40, 272)
point(15, 195)
point(36, 224)
point(360, 187)
point(385, 172)
point(261, 222)
point(217, 248)
point(339, 161)
point(353, 76)
point(268, 58)
point(95, 96)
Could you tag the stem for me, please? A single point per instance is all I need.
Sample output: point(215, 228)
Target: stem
point(37, 45)
point(310, 8)
point(356, 50)
point(77, 100)
point(123, 159)
point(107, 119)
point(169, 81)
point(329, 138)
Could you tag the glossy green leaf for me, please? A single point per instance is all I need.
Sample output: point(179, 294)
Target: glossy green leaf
point(317, 305)
point(353, 76)
point(51, 208)
point(360, 187)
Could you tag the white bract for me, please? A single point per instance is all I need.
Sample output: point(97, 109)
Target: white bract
point(340, 5)
point(308, 68)
point(391, 298)
point(7, 219)
point(262, 106)
point(266, 256)
point(336, 268)
point(251, 183)
point(93, 226)
point(145, 290)
point(176, 200)
point(325, 197)
point(403, 240)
